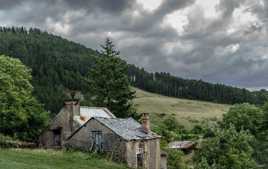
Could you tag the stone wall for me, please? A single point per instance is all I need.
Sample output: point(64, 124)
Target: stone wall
point(163, 163)
point(46, 139)
point(112, 144)
point(151, 154)
point(154, 153)
point(63, 121)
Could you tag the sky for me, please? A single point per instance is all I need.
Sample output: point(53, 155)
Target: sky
point(220, 41)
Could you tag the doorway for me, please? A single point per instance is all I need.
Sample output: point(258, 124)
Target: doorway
point(57, 137)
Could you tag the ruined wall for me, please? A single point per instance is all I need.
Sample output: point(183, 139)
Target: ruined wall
point(112, 144)
point(60, 121)
point(151, 154)
point(46, 139)
point(64, 121)
point(131, 156)
point(154, 154)
point(163, 163)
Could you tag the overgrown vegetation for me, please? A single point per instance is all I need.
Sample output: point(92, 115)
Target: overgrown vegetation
point(227, 149)
point(238, 141)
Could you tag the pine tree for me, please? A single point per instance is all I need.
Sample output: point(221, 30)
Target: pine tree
point(109, 82)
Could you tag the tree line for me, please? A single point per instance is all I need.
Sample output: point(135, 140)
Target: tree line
point(169, 85)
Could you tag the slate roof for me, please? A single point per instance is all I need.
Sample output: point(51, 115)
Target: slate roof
point(89, 112)
point(128, 128)
point(95, 112)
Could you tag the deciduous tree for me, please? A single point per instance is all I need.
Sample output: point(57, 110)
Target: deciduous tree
point(21, 115)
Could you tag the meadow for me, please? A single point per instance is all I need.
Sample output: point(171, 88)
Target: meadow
point(52, 159)
point(187, 112)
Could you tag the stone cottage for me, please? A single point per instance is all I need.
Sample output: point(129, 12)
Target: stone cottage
point(97, 129)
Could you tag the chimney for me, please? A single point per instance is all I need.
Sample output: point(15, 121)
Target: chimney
point(145, 122)
point(73, 108)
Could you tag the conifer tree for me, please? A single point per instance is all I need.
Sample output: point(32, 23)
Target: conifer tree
point(109, 82)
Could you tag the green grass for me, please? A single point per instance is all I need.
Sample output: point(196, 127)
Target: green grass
point(52, 159)
point(185, 111)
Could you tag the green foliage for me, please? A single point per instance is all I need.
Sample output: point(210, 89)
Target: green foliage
point(175, 159)
point(57, 64)
point(9, 142)
point(244, 117)
point(203, 164)
point(228, 149)
point(170, 130)
point(109, 82)
point(253, 119)
point(21, 114)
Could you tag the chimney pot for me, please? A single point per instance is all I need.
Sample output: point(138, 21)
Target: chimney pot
point(73, 108)
point(145, 120)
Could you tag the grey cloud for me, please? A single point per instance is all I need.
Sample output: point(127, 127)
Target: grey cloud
point(112, 6)
point(203, 51)
point(7, 4)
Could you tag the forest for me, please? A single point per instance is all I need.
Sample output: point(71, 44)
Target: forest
point(59, 66)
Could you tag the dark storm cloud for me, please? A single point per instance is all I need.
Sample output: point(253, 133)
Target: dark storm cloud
point(6, 4)
point(230, 47)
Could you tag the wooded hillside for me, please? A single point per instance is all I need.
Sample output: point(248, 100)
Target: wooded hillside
point(169, 85)
point(59, 65)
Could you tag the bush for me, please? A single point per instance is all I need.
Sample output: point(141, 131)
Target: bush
point(9, 142)
point(175, 159)
point(228, 149)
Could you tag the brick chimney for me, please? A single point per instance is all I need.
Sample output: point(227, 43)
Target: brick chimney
point(73, 108)
point(145, 122)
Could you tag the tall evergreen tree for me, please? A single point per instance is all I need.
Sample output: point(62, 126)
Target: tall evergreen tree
point(109, 82)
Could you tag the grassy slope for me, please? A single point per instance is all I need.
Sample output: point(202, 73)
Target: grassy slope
point(186, 111)
point(51, 159)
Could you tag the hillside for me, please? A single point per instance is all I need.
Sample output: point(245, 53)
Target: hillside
point(51, 159)
point(59, 65)
point(169, 85)
point(186, 111)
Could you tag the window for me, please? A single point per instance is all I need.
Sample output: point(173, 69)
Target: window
point(97, 140)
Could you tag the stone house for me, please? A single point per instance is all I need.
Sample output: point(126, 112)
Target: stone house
point(97, 129)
